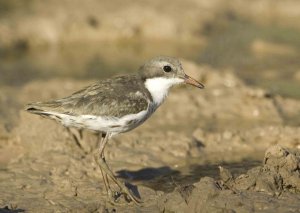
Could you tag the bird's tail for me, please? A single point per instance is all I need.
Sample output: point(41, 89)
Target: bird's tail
point(40, 108)
point(33, 108)
point(44, 109)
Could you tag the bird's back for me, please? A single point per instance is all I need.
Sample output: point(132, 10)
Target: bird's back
point(114, 97)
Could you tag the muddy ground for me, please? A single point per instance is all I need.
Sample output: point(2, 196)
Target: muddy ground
point(228, 148)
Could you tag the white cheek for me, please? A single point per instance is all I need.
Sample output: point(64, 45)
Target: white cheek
point(159, 87)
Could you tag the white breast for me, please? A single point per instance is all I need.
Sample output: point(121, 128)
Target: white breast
point(159, 87)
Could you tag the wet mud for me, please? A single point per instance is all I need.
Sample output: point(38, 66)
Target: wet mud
point(228, 148)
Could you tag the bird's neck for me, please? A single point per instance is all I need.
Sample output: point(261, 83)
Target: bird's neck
point(159, 88)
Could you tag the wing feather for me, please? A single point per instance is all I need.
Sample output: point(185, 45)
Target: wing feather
point(115, 98)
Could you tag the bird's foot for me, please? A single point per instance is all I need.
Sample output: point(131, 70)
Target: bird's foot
point(115, 197)
point(129, 196)
point(124, 190)
point(127, 190)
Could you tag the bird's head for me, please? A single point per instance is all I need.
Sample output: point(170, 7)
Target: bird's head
point(166, 70)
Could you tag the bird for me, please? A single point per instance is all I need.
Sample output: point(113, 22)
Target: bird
point(117, 105)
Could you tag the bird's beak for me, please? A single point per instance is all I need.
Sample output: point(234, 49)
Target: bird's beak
point(191, 81)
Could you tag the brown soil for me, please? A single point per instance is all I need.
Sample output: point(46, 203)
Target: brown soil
point(172, 159)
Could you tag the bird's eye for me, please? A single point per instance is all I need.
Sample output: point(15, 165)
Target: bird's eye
point(167, 68)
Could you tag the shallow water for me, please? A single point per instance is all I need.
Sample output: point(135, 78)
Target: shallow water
point(265, 56)
point(85, 61)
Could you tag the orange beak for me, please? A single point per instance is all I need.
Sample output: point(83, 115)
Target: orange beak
point(193, 82)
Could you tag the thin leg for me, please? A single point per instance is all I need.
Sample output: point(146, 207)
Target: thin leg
point(108, 173)
point(77, 135)
point(101, 138)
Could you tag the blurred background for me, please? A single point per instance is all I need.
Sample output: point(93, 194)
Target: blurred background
point(246, 52)
point(256, 39)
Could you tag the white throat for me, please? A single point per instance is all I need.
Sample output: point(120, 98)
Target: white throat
point(159, 87)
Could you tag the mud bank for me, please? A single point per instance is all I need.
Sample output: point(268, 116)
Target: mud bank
point(227, 124)
point(262, 189)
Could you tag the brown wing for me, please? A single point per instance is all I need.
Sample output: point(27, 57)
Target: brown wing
point(114, 97)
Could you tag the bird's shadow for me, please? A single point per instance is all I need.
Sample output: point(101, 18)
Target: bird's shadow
point(150, 177)
point(6, 209)
point(167, 179)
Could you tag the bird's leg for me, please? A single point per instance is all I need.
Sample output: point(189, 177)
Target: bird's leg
point(108, 173)
point(78, 138)
point(101, 139)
